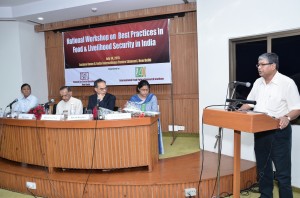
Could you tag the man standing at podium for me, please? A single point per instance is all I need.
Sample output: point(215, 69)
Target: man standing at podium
point(278, 96)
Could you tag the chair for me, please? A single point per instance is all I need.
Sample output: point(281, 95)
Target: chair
point(116, 108)
point(54, 109)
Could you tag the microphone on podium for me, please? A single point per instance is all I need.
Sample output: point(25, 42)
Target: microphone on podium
point(246, 84)
point(240, 101)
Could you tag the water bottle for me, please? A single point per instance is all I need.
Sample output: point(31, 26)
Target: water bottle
point(65, 114)
point(1, 113)
point(72, 112)
point(100, 114)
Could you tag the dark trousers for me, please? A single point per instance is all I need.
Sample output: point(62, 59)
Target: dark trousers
point(274, 145)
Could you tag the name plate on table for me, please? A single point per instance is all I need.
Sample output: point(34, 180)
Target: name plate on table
point(26, 116)
point(117, 116)
point(51, 117)
point(80, 117)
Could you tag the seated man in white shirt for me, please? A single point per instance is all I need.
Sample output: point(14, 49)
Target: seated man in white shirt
point(27, 102)
point(68, 103)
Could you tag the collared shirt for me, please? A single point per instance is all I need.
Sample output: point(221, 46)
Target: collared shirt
point(25, 104)
point(277, 98)
point(66, 106)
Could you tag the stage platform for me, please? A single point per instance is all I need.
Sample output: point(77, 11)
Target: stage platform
point(168, 178)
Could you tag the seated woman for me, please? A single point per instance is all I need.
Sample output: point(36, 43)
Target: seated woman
point(101, 98)
point(147, 101)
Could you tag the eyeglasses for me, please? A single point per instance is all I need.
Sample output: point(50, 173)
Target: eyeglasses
point(103, 89)
point(263, 64)
point(67, 95)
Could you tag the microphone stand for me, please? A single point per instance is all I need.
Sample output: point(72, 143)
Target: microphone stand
point(233, 92)
point(10, 107)
point(219, 142)
point(232, 107)
point(10, 111)
point(46, 107)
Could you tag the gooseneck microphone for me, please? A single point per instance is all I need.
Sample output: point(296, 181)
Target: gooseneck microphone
point(50, 101)
point(10, 104)
point(240, 101)
point(246, 84)
point(46, 105)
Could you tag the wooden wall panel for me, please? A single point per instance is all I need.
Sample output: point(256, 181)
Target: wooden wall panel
point(184, 72)
point(55, 63)
point(178, 102)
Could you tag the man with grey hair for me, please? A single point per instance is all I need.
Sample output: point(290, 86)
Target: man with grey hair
point(278, 96)
point(68, 103)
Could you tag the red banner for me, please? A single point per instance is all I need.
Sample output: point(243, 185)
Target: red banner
point(134, 43)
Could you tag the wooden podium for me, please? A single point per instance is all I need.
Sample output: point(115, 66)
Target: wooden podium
point(239, 121)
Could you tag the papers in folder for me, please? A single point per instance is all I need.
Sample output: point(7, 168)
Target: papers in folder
point(146, 113)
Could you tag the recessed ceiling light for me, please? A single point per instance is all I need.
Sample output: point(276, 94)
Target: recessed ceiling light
point(94, 9)
point(40, 18)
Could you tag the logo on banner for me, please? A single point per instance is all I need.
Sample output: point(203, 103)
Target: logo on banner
point(140, 72)
point(84, 75)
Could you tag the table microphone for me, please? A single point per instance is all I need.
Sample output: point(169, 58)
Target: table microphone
point(10, 104)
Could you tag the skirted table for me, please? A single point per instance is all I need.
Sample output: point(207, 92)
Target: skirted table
point(101, 144)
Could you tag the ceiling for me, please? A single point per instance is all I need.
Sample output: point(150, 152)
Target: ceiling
point(62, 10)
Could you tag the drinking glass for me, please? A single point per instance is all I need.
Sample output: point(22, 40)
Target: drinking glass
point(88, 111)
point(65, 113)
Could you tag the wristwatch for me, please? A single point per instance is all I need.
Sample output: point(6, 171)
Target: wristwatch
point(288, 117)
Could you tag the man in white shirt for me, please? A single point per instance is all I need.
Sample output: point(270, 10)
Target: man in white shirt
point(68, 103)
point(278, 96)
point(27, 102)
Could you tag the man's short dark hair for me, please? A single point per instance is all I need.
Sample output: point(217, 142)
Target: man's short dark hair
point(65, 87)
point(98, 81)
point(24, 85)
